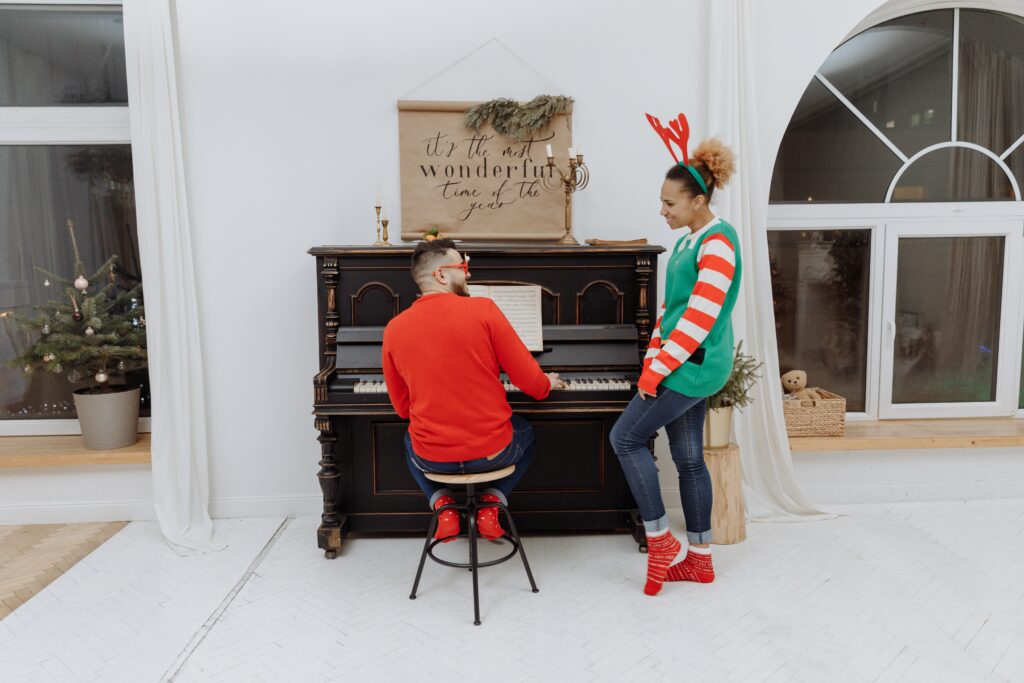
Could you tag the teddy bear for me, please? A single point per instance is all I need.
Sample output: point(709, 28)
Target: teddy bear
point(794, 383)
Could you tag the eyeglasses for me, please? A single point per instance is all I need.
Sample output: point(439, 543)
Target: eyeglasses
point(464, 266)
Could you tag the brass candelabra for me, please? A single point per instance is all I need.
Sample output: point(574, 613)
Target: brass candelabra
point(575, 179)
point(382, 230)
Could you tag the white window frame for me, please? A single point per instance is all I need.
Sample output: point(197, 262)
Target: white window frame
point(61, 126)
point(1009, 355)
point(941, 216)
point(781, 223)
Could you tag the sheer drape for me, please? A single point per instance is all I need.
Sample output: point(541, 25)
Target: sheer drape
point(179, 447)
point(770, 484)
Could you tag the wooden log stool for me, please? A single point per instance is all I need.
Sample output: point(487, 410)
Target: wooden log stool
point(728, 514)
point(467, 511)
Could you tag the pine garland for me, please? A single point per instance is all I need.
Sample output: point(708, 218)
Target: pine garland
point(108, 338)
point(741, 379)
point(516, 121)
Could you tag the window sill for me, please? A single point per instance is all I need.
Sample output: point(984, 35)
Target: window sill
point(67, 451)
point(888, 435)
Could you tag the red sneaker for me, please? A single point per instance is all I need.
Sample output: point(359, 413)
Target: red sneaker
point(487, 522)
point(447, 521)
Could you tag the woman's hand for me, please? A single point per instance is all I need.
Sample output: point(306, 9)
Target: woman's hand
point(643, 394)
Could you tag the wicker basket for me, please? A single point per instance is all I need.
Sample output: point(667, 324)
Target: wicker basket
point(826, 418)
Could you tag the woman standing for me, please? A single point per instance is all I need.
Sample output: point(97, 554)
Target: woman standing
point(689, 358)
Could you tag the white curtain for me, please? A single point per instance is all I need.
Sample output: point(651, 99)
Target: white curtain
point(770, 485)
point(180, 475)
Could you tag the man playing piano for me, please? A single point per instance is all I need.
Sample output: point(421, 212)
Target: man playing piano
point(442, 360)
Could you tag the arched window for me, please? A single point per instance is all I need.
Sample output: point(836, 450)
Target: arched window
point(896, 218)
point(923, 108)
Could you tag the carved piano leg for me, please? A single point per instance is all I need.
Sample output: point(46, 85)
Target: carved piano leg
point(333, 526)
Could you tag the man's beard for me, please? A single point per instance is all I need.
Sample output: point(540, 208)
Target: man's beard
point(461, 289)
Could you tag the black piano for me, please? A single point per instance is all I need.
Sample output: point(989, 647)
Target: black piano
point(598, 306)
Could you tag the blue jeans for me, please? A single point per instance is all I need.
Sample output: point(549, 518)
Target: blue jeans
point(683, 419)
point(518, 452)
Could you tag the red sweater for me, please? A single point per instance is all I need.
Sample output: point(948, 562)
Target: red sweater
point(442, 358)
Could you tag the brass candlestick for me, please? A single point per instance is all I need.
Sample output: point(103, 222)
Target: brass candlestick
point(385, 243)
point(378, 243)
point(576, 179)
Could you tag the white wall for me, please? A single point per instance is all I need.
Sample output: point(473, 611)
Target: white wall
point(289, 121)
point(97, 493)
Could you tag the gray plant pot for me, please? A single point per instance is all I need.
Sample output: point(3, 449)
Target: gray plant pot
point(108, 420)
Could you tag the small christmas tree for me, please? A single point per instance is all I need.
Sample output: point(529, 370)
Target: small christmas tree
point(81, 333)
point(741, 379)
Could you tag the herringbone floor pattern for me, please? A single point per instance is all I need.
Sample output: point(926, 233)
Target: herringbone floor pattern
point(902, 592)
point(32, 556)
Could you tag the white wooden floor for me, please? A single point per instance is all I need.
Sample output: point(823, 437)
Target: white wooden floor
point(903, 592)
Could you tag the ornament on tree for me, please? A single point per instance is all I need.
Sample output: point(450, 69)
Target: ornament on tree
point(46, 282)
point(83, 306)
point(76, 315)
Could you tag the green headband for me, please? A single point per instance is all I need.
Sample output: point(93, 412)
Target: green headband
point(696, 176)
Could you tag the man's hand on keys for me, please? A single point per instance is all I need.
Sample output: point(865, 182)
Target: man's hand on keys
point(556, 382)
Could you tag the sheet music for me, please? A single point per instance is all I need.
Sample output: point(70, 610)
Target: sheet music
point(521, 305)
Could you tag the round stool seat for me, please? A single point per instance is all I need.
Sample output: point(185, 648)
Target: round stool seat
point(468, 511)
point(478, 478)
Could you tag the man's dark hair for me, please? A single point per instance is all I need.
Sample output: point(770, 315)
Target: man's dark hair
point(427, 256)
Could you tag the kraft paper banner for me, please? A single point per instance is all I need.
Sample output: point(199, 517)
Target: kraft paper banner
point(478, 186)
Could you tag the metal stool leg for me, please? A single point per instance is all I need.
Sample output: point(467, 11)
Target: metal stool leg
point(423, 555)
point(471, 520)
point(519, 543)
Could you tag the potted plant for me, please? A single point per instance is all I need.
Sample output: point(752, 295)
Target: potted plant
point(93, 328)
point(718, 423)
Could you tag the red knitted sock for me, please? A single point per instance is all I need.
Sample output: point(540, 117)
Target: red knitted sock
point(487, 518)
point(661, 550)
point(447, 521)
point(695, 567)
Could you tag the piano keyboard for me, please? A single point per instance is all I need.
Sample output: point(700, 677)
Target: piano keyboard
point(571, 384)
point(587, 384)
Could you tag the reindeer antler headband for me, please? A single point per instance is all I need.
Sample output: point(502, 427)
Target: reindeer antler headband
point(678, 131)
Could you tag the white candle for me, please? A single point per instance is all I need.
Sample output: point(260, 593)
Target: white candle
point(549, 151)
point(571, 154)
point(378, 195)
point(579, 151)
point(385, 213)
point(380, 202)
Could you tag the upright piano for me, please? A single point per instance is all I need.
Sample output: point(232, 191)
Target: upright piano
point(598, 306)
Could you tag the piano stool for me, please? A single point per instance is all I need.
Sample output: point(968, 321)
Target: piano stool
point(728, 514)
point(467, 511)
